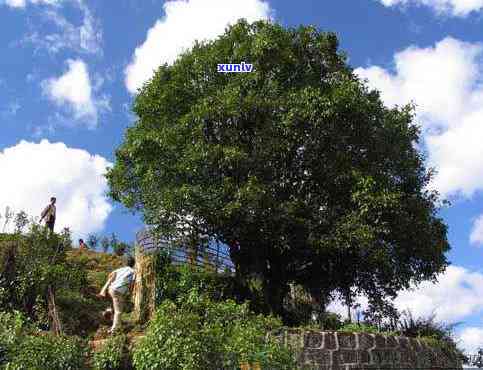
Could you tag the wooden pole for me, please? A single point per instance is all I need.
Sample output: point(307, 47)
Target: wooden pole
point(53, 313)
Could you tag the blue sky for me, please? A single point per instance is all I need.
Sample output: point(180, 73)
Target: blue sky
point(69, 71)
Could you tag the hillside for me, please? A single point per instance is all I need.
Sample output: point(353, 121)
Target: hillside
point(82, 311)
point(79, 309)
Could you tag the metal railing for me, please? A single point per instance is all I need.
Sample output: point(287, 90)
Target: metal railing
point(213, 256)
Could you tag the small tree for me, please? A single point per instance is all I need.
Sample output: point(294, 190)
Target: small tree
point(105, 244)
point(33, 268)
point(21, 220)
point(92, 241)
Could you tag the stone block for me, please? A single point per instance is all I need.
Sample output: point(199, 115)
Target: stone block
point(369, 367)
point(391, 342)
point(383, 357)
point(423, 360)
point(313, 339)
point(344, 357)
point(403, 342)
point(415, 345)
point(330, 341)
point(407, 356)
point(363, 357)
point(318, 357)
point(380, 341)
point(346, 340)
point(365, 341)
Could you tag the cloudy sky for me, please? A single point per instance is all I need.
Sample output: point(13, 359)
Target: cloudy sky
point(70, 69)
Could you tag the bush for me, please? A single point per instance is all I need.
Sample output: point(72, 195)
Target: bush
point(13, 326)
point(431, 331)
point(330, 321)
point(175, 282)
point(114, 355)
point(48, 352)
point(360, 328)
point(201, 334)
point(32, 263)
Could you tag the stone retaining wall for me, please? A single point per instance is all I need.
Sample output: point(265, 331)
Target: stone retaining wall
point(344, 351)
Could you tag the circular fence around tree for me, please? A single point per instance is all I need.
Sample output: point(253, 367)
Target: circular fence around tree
point(213, 255)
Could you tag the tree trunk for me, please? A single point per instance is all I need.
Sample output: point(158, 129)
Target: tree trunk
point(275, 289)
point(56, 326)
point(349, 304)
point(144, 287)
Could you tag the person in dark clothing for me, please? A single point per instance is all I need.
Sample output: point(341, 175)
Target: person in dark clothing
point(49, 213)
point(82, 245)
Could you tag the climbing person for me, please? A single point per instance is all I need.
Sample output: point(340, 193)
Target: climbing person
point(82, 245)
point(49, 214)
point(119, 285)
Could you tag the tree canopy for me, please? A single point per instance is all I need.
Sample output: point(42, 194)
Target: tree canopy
point(298, 166)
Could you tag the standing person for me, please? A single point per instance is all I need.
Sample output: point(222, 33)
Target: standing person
point(82, 245)
point(49, 214)
point(119, 284)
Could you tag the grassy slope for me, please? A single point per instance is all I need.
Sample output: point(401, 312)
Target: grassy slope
point(81, 311)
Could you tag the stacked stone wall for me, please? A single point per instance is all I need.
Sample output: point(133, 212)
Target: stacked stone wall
point(344, 351)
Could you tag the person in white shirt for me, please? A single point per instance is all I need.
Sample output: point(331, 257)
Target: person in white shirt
point(119, 285)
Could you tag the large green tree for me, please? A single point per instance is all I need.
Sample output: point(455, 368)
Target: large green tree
point(298, 166)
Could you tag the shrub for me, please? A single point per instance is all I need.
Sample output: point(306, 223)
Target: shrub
point(114, 355)
point(175, 282)
point(430, 330)
point(32, 263)
point(360, 328)
point(13, 326)
point(48, 352)
point(330, 321)
point(201, 334)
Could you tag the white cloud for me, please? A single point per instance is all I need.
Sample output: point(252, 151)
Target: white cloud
point(185, 22)
point(476, 236)
point(471, 339)
point(73, 90)
point(85, 37)
point(445, 82)
point(458, 8)
point(33, 172)
point(23, 3)
point(457, 294)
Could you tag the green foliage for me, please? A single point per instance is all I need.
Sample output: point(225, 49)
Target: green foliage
point(114, 355)
point(92, 241)
point(424, 327)
point(329, 321)
point(13, 326)
point(177, 282)
point(200, 334)
point(298, 162)
point(430, 330)
point(32, 263)
point(34, 260)
point(360, 328)
point(105, 244)
point(121, 248)
point(46, 352)
point(22, 347)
